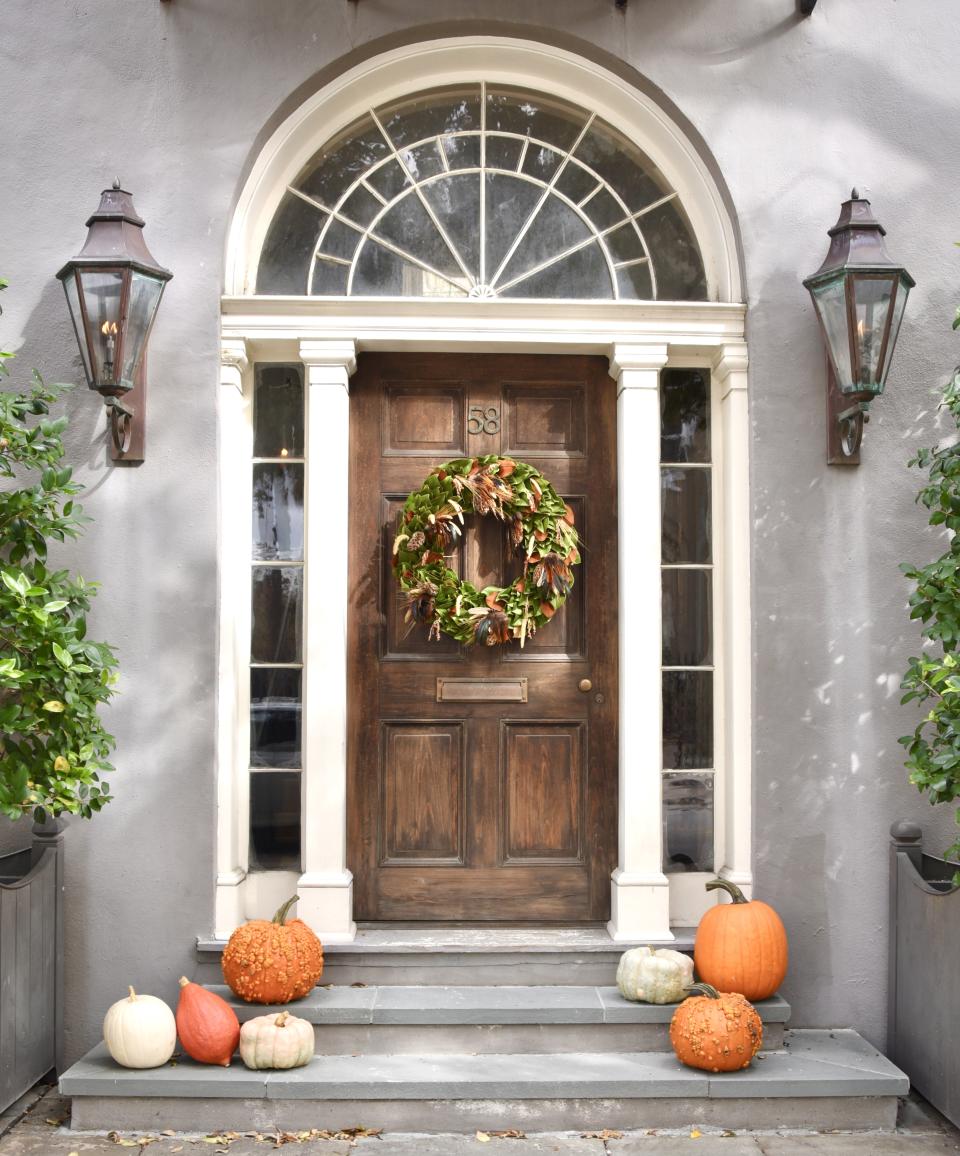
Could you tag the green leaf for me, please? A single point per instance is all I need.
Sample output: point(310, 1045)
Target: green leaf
point(54, 706)
point(64, 657)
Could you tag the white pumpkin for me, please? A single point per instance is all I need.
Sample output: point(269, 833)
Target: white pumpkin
point(276, 1041)
point(140, 1031)
point(654, 976)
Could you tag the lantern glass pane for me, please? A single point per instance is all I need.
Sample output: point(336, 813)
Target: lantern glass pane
point(101, 292)
point(899, 305)
point(145, 293)
point(73, 302)
point(830, 300)
point(871, 298)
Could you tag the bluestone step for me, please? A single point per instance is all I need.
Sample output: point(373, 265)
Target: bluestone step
point(493, 956)
point(407, 1020)
point(823, 1079)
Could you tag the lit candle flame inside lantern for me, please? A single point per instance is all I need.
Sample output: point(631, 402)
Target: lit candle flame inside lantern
point(109, 330)
point(284, 452)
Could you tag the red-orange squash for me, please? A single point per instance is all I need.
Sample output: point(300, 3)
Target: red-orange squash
point(206, 1024)
point(714, 1031)
point(741, 946)
point(273, 961)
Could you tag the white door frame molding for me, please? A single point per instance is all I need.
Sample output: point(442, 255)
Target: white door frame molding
point(639, 339)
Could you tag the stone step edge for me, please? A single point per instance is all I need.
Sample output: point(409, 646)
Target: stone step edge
point(449, 1005)
point(563, 942)
point(814, 1063)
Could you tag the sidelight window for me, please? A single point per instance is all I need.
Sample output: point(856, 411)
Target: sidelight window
point(276, 636)
point(481, 191)
point(686, 485)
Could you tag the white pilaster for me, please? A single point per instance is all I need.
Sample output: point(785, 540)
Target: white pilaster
point(326, 886)
point(730, 373)
point(640, 906)
point(234, 453)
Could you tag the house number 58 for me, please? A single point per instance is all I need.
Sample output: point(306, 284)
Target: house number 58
point(483, 420)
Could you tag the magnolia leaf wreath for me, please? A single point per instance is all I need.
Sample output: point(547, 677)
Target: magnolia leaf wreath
point(541, 530)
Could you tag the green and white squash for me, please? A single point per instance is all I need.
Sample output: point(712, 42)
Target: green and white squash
point(654, 976)
point(276, 1041)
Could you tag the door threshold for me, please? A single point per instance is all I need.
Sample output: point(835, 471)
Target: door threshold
point(410, 940)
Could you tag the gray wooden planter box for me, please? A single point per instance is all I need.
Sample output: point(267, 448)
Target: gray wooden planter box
point(31, 962)
point(924, 991)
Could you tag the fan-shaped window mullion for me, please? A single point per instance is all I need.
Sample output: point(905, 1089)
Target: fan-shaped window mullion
point(438, 234)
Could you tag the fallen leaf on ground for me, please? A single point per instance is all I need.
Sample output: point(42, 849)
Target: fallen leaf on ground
point(510, 1134)
point(603, 1134)
point(483, 1137)
point(116, 1138)
point(358, 984)
point(728, 1133)
point(696, 1134)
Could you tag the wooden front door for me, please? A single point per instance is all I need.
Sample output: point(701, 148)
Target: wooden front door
point(482, 810)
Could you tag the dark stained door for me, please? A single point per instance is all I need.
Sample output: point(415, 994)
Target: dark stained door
point(482, 810)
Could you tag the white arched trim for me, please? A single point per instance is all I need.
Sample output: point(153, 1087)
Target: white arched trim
point(504, 61)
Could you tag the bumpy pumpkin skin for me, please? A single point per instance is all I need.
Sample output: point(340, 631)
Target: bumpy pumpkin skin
point(741, 946)
point(207, 1025)
point(654, 976)
point(272, 961)
point(140, 1031)
point(276, 1042)
point(718, 1033)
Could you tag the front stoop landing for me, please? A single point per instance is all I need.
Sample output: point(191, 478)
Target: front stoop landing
point(442, 1059)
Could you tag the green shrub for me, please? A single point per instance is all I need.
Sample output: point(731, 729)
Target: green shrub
point(53, 679)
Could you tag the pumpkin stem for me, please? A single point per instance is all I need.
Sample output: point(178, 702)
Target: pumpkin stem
point(132, 995)
point(281, 915)
point(184, 981)
point(281, 1019)
point(731, 889)
point(706, 989)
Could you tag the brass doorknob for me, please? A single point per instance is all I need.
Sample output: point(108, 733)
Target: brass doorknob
point(585, 684)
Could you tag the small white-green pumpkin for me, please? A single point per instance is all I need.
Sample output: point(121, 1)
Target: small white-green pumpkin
point(140, 1031)
point(654, 976)
point(276, 1041)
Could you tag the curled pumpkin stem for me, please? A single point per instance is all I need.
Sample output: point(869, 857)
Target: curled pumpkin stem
point(731, 889)
point(281, 915)
point(706, 989)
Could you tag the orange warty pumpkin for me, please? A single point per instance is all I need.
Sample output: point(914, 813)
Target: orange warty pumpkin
point(273, 961)
point(206, 1024)
point(714, 1031)
point(741, 946)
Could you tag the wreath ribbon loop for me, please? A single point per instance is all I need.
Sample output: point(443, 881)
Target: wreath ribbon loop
point(541, 529)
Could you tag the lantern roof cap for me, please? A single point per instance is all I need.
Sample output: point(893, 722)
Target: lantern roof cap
point(115, 237)
point(856, 243)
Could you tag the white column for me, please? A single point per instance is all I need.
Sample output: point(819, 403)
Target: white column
point(326, 886)
point(640, 908)
point(730, 373)
point(233, 689)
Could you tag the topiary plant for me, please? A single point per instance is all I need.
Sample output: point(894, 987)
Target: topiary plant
point(933, 677)
point(53, 679)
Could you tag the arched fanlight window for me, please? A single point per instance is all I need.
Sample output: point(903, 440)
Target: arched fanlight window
point(481, 191)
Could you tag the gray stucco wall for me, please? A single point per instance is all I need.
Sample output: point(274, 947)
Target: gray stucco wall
point(172, 98)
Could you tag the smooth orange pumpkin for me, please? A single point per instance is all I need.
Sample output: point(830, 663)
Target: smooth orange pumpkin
point(273, 961)
point(206, 1024)
point(714, 1031)
point(741, 946)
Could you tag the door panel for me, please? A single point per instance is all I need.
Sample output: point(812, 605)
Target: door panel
point(492, 799)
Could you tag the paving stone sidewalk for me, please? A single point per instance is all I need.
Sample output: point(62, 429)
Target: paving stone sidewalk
point(36, 1126)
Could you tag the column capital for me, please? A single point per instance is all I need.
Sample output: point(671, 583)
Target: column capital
point(730, 363)
point(624, 358)
point(234, 362)
point(334, 355)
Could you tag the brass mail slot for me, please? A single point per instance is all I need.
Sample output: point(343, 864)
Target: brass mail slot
point(481, 690)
